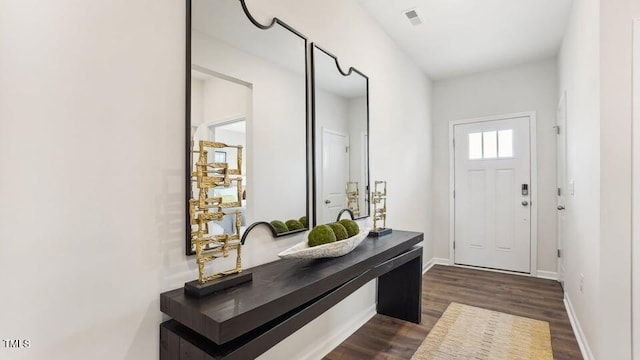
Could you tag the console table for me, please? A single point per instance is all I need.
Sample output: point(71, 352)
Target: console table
point(244, 321)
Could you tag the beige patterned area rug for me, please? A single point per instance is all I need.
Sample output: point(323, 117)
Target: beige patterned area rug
point(467, 332)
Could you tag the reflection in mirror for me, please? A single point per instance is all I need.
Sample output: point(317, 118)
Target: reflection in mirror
point(247, 88)
point(341, 137)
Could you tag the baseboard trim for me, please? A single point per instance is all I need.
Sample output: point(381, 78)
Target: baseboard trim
point(434, 261)
point(325, 347)
point(428, 265)
point(550, 275)
point(577, 329)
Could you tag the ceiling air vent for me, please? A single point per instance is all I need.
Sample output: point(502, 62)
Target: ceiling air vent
point(413, 17)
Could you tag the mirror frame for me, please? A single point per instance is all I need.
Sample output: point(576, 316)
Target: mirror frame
point(313, 134)
point(188, 145)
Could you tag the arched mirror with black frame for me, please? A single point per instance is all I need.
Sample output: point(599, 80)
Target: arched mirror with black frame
point(341, 139)
point(246, 86)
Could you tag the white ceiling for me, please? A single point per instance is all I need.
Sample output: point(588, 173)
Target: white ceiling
point(460, 37)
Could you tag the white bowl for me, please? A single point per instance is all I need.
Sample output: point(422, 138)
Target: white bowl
point(334, 249)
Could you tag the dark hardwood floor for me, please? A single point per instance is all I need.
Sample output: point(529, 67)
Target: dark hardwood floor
point(387, 338)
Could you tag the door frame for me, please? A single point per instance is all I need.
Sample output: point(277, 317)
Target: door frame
point(561, 236)
point(635, 194)
point(534, 181)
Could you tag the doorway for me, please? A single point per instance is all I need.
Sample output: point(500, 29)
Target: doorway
point(493, 192)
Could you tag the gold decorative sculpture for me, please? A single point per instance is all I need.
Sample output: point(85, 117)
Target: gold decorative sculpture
point(205, 208)
point(379, 199)
point(353, 197)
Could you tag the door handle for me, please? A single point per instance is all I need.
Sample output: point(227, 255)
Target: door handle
point(525, 203)
point(327, 201)
point(560, 207)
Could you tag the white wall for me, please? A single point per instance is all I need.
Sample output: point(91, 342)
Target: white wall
point(93, 234)
point(614, 323)
point(197, 101)
point(224, 100)
point(332, 112)
point(579, 69)
point(216, 100)
point(526, 87)
point(595, 70)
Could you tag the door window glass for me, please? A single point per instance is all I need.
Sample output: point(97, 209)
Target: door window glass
point(505, 143)
point(491, 145)
point(475, 146)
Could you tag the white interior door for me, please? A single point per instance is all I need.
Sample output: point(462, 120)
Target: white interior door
point(335, 173)
point(492, 186)
point(561, 181)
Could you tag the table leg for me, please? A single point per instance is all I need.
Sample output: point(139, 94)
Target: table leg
point(400, 291)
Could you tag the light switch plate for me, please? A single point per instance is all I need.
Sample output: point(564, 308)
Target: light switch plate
point(572, 187)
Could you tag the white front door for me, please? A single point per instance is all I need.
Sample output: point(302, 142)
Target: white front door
point(335, 174)
point(561, 181)
point(492, 186)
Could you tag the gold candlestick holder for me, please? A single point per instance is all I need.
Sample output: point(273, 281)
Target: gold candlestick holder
point(379, 200)
point(208, 176)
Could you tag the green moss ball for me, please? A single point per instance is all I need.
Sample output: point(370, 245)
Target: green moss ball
point(279, 226)
point(339, 230)
point(351, 226)
point(321, 234)
point(294, 224)
point(304, 222)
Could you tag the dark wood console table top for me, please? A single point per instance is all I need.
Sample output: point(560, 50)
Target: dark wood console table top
point(282, 286)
